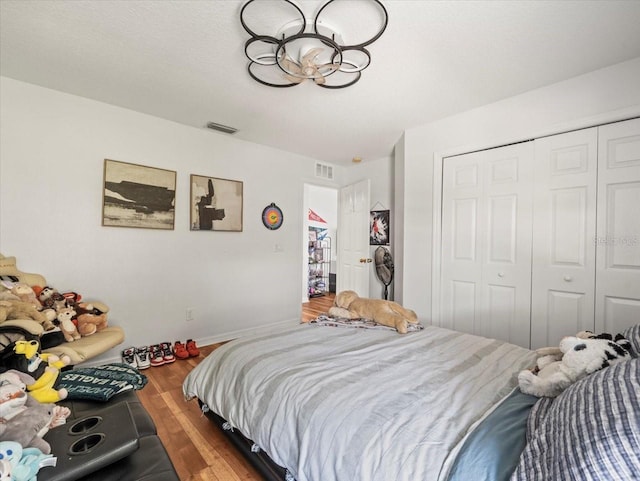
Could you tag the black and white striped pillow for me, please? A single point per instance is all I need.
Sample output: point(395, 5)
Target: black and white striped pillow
point(591, 432)
point(633, 335)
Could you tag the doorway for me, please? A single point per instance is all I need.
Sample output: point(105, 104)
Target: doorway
point(319, 236)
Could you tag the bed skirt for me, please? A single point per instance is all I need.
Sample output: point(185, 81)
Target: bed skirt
point(260, 461)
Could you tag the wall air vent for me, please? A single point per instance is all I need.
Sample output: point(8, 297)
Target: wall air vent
point(324, 171)
point(221, 128)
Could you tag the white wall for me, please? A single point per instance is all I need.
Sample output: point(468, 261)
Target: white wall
point(602, 96)
point(52, 148)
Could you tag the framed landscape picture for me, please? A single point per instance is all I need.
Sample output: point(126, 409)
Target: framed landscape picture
point(216, 204)
point(138, 196)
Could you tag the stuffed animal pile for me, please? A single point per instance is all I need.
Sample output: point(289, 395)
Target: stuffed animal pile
point(575, 358)
point(50, 308)
point(25, 419)
point(348, 305)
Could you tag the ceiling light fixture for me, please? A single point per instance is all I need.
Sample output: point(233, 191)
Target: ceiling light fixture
point(302, 50)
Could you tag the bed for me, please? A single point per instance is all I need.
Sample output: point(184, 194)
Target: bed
point(318, 403)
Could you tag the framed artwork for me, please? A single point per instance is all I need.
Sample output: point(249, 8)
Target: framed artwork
point(216, 204)
point(379, 228)
point(138, 196)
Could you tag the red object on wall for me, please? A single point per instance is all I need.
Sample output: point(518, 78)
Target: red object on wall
point(316, 217)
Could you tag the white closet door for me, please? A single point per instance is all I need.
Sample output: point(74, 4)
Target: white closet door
point(486, 243)
point(462, 212)
point(564, 226)
point(618, 229)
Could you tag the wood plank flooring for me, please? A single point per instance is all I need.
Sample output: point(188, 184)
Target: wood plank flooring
point(197, 449)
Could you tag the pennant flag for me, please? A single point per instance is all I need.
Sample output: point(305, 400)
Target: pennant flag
point(316, 217)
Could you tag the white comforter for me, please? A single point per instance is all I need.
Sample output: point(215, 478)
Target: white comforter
point(340, 404)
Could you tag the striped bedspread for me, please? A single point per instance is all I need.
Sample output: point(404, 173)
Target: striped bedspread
point(335, 404)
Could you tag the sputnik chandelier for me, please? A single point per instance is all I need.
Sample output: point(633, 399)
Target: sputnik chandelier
point(301, 50)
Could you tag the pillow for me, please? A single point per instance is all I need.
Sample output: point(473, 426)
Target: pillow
point(100, 383)
point(633, 334)
point(8, 266)
point(590, 432)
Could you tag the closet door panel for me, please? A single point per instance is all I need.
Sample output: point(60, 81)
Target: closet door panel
point(618, 235)
point(461, 265)
point(506, 283)
point(564, 226)
point(486, 243)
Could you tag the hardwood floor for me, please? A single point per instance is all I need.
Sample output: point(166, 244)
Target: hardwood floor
point(197, 449)
point(316, 306)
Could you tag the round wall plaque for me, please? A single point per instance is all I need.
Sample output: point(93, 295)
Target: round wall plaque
point(272, 217)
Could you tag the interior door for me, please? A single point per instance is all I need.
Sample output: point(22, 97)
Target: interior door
point(618, 227)
point(564, 226)
point(354, 263)
point(486, 243)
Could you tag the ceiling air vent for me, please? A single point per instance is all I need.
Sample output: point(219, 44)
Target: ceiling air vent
point(221, 128)
point(324, 171)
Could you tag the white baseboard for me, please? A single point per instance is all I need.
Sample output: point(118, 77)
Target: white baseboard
point(206, 341)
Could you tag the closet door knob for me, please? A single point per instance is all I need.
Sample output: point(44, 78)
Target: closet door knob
point(568, 278)
point(500, 274)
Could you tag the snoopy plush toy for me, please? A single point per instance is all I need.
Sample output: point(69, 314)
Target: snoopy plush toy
point(575, 359)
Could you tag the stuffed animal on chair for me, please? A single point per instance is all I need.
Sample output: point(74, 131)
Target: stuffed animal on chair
point(579, 358)
point(43, 368)
point(349, 305)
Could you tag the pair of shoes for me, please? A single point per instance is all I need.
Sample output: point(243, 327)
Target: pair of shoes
point(183, 351)
point(162, 354)
point(141, 357)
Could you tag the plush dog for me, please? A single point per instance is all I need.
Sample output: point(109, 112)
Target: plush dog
point(580, 357)
point(349, 305)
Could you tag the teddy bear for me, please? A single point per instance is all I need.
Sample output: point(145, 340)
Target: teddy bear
point(43, 368)
point(22, 310)
point(91, 317)
point(349, 305)
point(24, 419)
point(67, 326)
point(50, 298)
point(21, 291)
point(577, 358)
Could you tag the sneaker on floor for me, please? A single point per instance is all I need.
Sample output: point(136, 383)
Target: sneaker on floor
point(157, 356)
point(167, 353)
point(129, 357)
point(142, 357)
point(180, 350)
point(192, 349)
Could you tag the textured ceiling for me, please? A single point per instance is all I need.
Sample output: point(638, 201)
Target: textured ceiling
point(183, 60)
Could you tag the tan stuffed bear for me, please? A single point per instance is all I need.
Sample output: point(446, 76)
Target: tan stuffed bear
point(349, 305)
point(91, 317)
point(22, 310)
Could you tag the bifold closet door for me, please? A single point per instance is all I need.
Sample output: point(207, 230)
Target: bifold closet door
point(486, 243)
point(618, 230)
point(564, 228)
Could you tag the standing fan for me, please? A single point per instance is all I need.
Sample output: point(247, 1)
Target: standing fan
point(384, 268)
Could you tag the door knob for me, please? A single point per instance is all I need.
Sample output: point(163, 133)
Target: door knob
point(500, 274)
point(364, 260)
point(568, 278)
